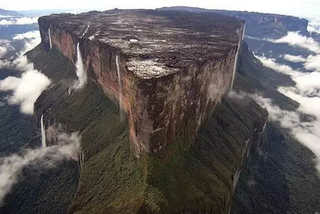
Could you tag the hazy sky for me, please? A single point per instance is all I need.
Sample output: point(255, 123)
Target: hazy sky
point(306, 8)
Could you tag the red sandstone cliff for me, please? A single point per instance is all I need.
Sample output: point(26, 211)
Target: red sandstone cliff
point(173, 68)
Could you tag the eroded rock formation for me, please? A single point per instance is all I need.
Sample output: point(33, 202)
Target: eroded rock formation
point(173, 67)
point(169, 72)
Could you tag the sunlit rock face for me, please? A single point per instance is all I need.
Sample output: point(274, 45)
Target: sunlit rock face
point(174, 67)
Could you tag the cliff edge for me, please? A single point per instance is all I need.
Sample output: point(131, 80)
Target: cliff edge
point(166, 70)
point(177, 143)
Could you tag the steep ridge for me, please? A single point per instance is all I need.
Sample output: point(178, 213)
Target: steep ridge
point(198, 169)
point(259, 25)
point(280, 176)
point(111, 173)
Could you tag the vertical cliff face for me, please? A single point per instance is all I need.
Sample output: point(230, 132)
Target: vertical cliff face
point(169, 73)
point(173, 67)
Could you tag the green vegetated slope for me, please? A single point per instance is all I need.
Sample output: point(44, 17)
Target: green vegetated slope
point(193, 178)
point(280, 177)
point(41, 189)
point(16, 127)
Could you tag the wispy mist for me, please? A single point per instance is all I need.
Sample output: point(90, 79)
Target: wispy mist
point(10, 167)
point(5, 47)
point(314, 25)
point(295, 39)
point(28, 35)
point(19, 21)
point(306, 92)
point(27, 87)
point(31, 38)
point(293, 58)
point(3, 51)
point(306, 132)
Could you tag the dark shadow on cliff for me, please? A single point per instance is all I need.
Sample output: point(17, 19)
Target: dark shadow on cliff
point(188, 176)
point(280, 176)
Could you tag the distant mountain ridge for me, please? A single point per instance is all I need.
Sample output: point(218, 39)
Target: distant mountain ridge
point(262, 25)
point(9, 13)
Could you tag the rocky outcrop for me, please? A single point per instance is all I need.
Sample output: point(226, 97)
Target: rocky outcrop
point(199, 178)
point(173, 68)
point(191, 139)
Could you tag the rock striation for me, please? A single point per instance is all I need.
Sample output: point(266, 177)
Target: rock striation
point(169, 73)
point(166, 70)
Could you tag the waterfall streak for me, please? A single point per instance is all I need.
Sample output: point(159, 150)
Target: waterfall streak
point(85, 31)
point(81, 74)
point(120, 86)
point(43, 134)
point(50, 42)
point(237, 55)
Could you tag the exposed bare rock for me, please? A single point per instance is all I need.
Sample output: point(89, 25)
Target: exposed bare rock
point(174, 67)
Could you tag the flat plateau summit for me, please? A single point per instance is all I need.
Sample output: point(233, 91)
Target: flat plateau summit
point(158, 134)
point(161, 42)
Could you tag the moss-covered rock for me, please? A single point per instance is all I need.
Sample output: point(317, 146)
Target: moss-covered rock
point(193, 177)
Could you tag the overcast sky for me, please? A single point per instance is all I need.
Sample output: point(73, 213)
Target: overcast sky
point(307, 8)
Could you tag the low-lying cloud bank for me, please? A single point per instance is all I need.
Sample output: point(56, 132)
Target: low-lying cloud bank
point(19, 21)
point(306, 132)
point(31, 38)
point(26, 89)
point(28, 35)
point(29, 85)
point(314, 25)
point(68, 148)
point(306, 92)
point(307, 83)
point(3, 51)
point(296, 39)
point(308, 43)
point(293, 58)
point(5, 46)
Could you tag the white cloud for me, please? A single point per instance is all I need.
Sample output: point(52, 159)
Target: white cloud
point(307, 133)
point(237, 95)
point(295, 39)
point(4, 16)
point(307, 83)
point(306, 92)
point(5, 47)
point(293, 58)
point(28, 35)
point(4, 64)
point(32, 39)
point(26, 89)
point(271, 63)
point(313, 63)
point(3, 51)
point(19, 21)
point(68, 148)
point(314, 25)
